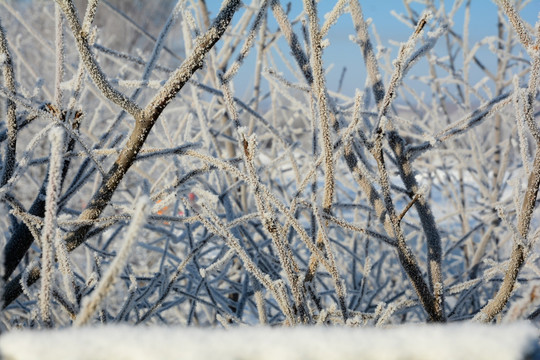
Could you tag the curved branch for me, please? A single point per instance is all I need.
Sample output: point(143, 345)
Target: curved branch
point(90, 63)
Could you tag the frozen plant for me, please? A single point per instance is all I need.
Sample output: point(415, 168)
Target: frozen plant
point(144, 180)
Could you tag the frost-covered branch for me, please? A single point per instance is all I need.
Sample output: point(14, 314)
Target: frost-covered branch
point(11, 119)
point(94, 70)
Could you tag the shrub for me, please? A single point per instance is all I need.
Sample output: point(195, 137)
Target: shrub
point(142, 188)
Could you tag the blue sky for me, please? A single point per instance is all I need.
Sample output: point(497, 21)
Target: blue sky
point(483, 15)
point(342, 52)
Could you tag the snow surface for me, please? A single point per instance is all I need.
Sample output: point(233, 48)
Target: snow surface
point(458, 341)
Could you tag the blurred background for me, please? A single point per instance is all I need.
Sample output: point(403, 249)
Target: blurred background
point(342, 58)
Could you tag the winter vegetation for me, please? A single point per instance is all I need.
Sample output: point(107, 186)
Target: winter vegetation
point(145, 181)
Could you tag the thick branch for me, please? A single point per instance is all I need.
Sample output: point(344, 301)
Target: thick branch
point(11, 118)
point(407, 175)
point(406, 256)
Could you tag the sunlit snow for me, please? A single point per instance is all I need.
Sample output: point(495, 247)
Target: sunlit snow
point(470, 341)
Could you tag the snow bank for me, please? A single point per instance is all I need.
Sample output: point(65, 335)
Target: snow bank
point(517, 341)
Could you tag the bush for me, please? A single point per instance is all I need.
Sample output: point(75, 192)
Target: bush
point(141, 189)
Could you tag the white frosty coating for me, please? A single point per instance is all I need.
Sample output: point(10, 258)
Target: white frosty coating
point(142, 208)
point(410, 342)
point(135, 84)
point(477, 206)
point(519, 104)
point(325, 43)
point(24, 281)
point(24, 162)
point(332, 17)
point(524, 306)
point(210, 200)
point(91, 64)
point(248, 43)
point(218, 264)
point(163, 203)
point(65, 267)
point(56, 138)
point(60, 55)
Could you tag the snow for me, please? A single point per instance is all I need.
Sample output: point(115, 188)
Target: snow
point(454, 341)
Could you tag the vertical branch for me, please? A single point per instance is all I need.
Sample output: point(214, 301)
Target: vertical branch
point(233, 70)
point(427, 220)
point(517, 23)
point(274, 229)
point(532, 88)
point(21, 239)
point(60, 56)
point(319, 90)
point(319, 93)
point(259, 301)
point(292, 39)
point(214, 224)
point(250, 40)
point(406, 256)
point(467, 97)
point(400, 66)
point(383, 100)
point(17, 246)
point(498, 161)
point(95, 72)
point(11, 118)
point(465, 49)
point(65, 267)
point(56, 138)
point(338, 281)
point(204, 12)
point(261, 52)
point(502, 64)
point(520, 249)
point(370, 59)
